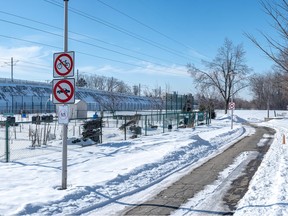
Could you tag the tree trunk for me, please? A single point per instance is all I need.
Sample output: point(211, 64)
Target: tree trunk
point(226, 106)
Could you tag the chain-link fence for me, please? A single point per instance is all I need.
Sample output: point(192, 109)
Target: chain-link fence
point(23, 137)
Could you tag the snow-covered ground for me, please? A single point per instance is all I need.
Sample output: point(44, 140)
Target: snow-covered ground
point(106, 178)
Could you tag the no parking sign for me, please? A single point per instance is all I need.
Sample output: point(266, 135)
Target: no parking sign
point(64, 91)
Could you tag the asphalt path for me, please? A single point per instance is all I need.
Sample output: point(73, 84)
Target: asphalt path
point(179, 192)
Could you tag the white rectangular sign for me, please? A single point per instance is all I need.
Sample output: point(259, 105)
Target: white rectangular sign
point(63, 114)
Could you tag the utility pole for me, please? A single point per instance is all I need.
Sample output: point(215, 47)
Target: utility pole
point(11, 63)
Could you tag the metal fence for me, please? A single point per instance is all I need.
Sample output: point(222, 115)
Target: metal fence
point(28, 136)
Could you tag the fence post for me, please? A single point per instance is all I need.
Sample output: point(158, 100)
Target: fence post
point(101, 130)
point(164, 123)
point(145, 125)
point(7, 141)
point(124, 127)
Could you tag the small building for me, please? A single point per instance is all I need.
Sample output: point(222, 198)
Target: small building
point(77, 110)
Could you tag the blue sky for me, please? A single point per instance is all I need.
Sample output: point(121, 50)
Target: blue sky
point(137, 41)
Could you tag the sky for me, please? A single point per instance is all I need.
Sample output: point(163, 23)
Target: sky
point(143, 42)
point(103, 179)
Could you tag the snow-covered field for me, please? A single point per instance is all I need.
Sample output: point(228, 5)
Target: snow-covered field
point(106, 178)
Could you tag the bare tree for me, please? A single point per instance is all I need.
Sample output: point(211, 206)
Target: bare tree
point(99, 82)
point(96, 82)
point(112, 84)
point(136, 90)
point(113, 103)
point(261, 87)
point(81, 82)
point(109, 84)
point(277, 50)
point(227, 70)
point(269, 90)
point(256, 85)
point(147, 92)
point(155, 93)
point(123, 88)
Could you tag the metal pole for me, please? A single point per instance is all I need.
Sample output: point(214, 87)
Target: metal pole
point(7, 141)
point(125, 132)
point(65, 126)
point(232, 88)
point(66, 25)
point(166, 103)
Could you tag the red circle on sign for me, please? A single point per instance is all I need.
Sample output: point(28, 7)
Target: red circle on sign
point(69, 97)
point(59, 61)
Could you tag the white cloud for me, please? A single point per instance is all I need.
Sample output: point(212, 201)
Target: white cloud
point(144, 68)
point(169, 70)
point(21, 52)
point(100, 70)
point(30, 62)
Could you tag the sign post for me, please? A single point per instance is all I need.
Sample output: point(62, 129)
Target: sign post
point(232, 107)
point(65, 126)
point(64, 90)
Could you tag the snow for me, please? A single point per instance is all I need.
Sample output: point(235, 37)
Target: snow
point(105, 178)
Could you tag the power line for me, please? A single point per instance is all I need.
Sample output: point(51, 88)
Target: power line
point(131, 34)
point(143, 24)
point(122, 30)
point(79, 41)
point(33, 63)
point(30, 64)
point(89, 37)
point(87, 54)
point(28, 41)
point(25, 18)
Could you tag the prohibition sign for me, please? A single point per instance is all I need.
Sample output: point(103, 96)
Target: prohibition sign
point(63, 91)
point(63, 64)
point(231, 105)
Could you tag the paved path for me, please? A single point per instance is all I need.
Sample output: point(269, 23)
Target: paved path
point(179, 192)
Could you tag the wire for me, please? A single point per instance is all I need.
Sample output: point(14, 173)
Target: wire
point(87, 54)
point(79, 41)
point(37, 64)
point(143, 24)
point(28, 41)
point(122, 30)
point(89, 37)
